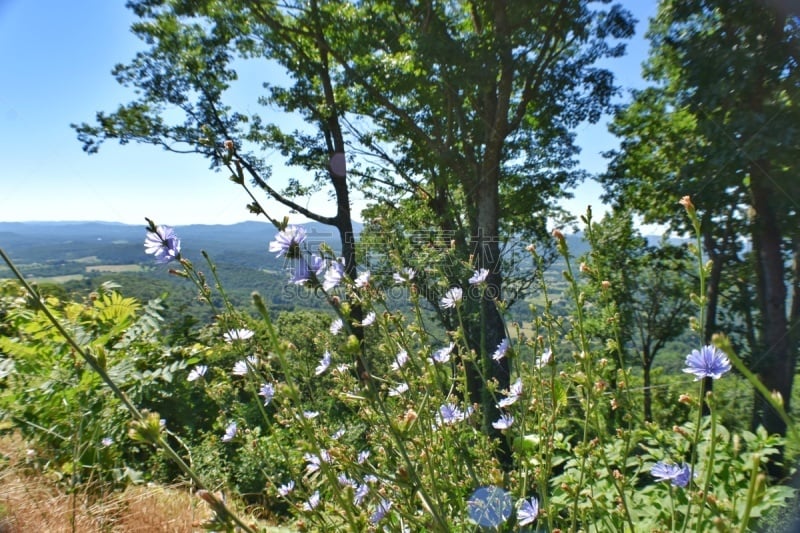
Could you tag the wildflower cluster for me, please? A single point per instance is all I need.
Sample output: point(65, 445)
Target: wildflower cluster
point(419, 422)
point(364, 419)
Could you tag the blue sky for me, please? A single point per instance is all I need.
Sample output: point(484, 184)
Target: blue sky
point(56, 58)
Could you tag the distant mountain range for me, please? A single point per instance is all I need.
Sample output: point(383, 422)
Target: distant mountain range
point(123, 243)
point(14, 234)
point(244, 243)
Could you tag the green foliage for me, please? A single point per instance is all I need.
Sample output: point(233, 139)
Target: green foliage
point(404, 433)
point(61, 405)
point(717, 124)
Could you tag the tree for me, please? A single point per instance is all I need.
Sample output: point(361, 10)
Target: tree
point(660, 308)
point(648, 288)
point(477, 101)
point(186, 73)
point(720, 125)
point(466, 107)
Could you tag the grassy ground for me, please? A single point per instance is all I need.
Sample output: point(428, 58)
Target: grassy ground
point(30, 501)
point(34, 505)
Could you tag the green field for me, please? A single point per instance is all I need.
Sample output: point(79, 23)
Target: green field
point(115, 268)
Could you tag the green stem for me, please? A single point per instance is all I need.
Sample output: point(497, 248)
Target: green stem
point(218, 283)
point(672, 508)
point(709, 468)
point(693, 458)
point(751, 490)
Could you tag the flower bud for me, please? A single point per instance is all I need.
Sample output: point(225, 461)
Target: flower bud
point(680, 431)
point(686, 202)
point(778, 397)
point(146, 430)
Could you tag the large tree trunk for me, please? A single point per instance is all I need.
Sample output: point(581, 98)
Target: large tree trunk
point(331, 128)
point(486, 250)
point(775, 365)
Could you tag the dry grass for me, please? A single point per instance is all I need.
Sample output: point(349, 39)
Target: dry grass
point(29, 501)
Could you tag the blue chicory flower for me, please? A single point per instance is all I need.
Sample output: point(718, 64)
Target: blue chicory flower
point(708, 362)
point(451, 298)
point(449, 414)
point(678, 475)
point(300, 273)
point(400, 360)
point(286, 489)
point(268, 392)
point(197, 372)
point(528, 511)
point(333, 275)
point(312, 502)
point(242, 367)
point(360, 493)
point(287, 242)
point(163, 244)
point(514, 392)
point(380, 511)
point(241, 334)
point(442, 355)
point(504, 422)
point(398, 390)
point(362, 280)
point(545, 359)
point(479, 276)
point(345, 481)
point(324, 363)
point(314, 462)
point(230, 432)
point(406, 275)
point(502, 348)
point(369, 319)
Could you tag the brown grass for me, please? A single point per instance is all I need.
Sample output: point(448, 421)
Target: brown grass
point(29, 501)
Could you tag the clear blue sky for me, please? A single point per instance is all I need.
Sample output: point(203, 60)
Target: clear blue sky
point(56, 58)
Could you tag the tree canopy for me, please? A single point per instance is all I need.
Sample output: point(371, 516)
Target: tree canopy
point(466, 108)
point(719, 123)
